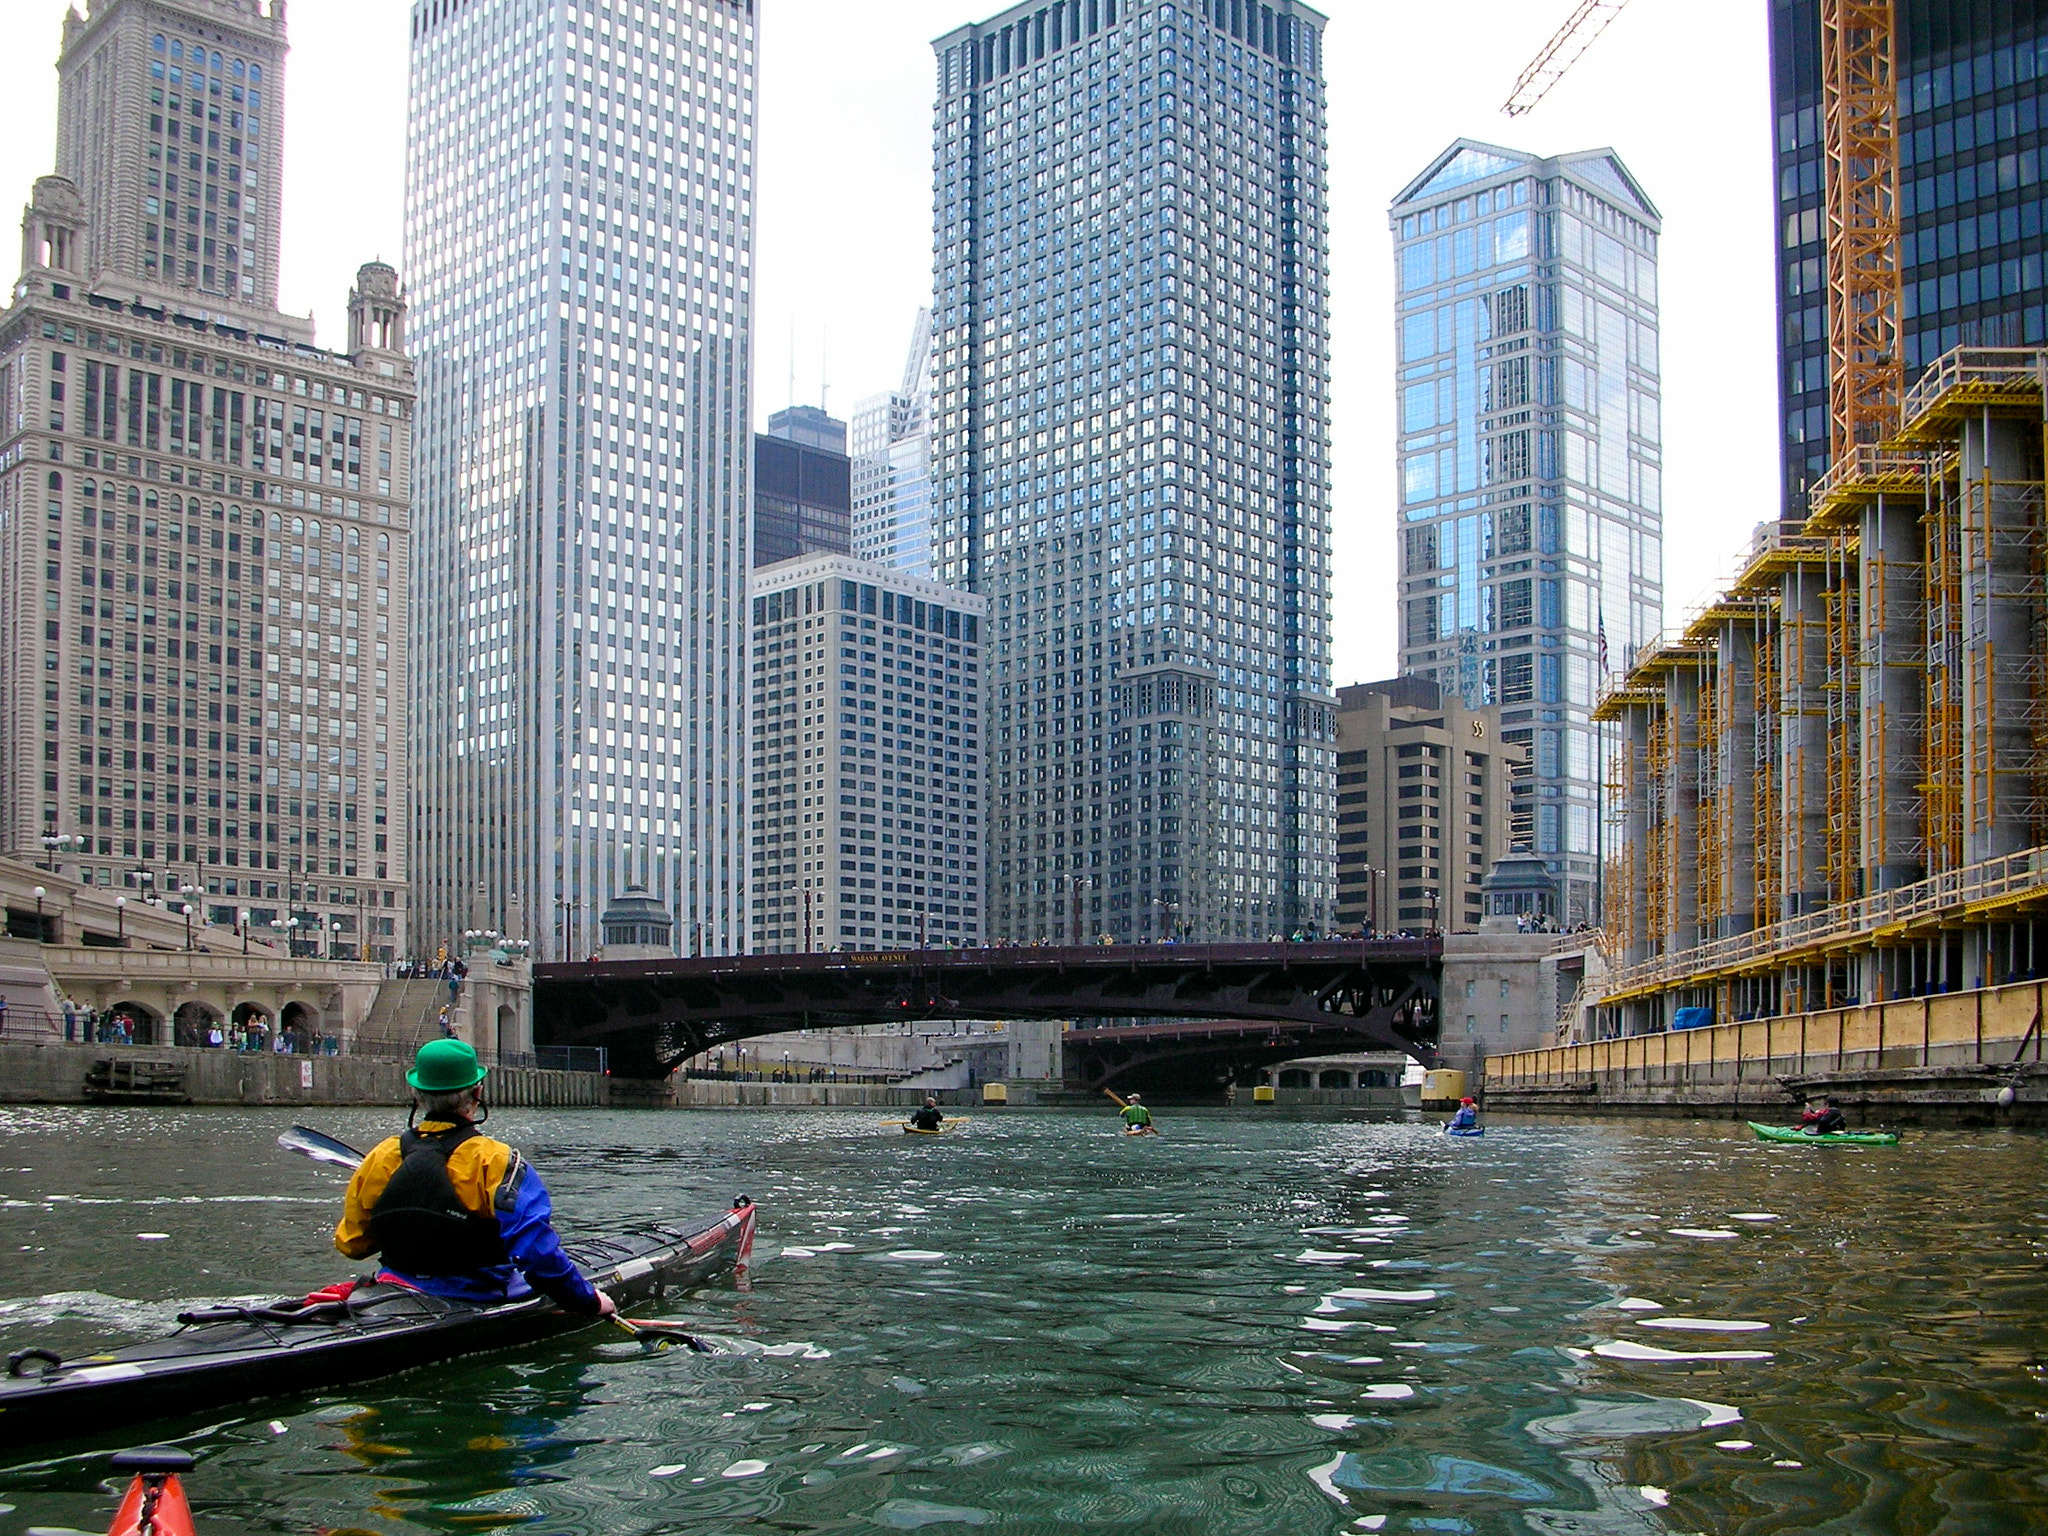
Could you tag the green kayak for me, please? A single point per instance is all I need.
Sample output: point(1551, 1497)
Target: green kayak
point(1839, 1138)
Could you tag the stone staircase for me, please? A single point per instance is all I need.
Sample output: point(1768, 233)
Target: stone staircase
point(405, 1014)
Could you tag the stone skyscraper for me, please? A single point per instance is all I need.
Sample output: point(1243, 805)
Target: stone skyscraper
point(1530, 453)
point(579, 208)
point(1131, 457)
point(202, 514)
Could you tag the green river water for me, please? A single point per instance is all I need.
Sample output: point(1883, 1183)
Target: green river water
point(1251, 1324)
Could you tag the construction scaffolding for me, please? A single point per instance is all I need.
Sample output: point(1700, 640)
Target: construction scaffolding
point(1844, 694)
point(1866, 709)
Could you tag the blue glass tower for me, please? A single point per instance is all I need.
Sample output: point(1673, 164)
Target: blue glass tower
point(1131, 457)
point(1530, 461)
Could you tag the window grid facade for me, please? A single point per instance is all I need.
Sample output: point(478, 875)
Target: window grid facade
point(167, 122)
point(579, 206)
point(867, 778)
point(203, 521)
point(1130, 458)
point(1972, 74)
point(1529, 444)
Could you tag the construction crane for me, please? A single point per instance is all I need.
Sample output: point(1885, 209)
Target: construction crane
point(1560, 54)
point(1860, 111)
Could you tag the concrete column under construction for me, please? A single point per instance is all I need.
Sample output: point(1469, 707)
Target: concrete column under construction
point(1736, 679)
point(1803, 738)
point(1891, 675)
point(2001, 581)
point(1682, 811)
point(1636, 852)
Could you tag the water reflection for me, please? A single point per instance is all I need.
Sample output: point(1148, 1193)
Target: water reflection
point(1283, 1326)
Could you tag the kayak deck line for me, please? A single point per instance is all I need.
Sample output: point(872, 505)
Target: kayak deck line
point(228, 1355)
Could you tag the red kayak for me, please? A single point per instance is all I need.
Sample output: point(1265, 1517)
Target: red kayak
point(155, 1503)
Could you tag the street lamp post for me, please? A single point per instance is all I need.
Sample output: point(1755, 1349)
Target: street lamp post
point(188, 892)
point(41, 936)
point(243, 924)
point(121, 921)
point(334, 940)
point(1169, 918)
point(58, 843)
point(1372, 898)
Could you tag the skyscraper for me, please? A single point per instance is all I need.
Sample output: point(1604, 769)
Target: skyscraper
point(579, 206)
point(1971, 76)
point(803, 486)
point(1131, 457)
point(202, 514)
point(1530, 539)
point(867, 759)
point(892, 466)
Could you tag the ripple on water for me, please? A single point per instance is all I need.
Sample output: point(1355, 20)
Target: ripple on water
point(1191, 1403)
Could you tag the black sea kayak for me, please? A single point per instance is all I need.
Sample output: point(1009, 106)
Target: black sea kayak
point(229, 1354)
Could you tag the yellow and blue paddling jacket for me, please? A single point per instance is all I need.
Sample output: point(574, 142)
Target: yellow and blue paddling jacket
point(456, 1213)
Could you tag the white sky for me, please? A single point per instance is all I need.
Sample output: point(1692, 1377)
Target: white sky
point(1680, 89)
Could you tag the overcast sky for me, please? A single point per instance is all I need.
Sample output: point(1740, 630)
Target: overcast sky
point(1679, 89)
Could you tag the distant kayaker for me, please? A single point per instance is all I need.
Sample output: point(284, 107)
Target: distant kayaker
point(1467, 1116)
point(1824, 1119)
point(1136, 1117)
point(454, 1212)
point(927, 1118)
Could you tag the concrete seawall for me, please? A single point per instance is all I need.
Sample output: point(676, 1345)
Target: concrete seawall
point(58, 1074)
point(1922, 1059)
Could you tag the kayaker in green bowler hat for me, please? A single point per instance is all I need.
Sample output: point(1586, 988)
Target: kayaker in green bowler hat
point(454, 1212)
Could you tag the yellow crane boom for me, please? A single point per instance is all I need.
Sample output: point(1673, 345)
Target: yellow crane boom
point(1860, 113)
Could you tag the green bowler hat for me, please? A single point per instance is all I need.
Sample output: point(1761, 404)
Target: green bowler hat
point(445, 1066)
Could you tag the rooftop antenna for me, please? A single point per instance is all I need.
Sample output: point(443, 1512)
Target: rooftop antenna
point(792, 363)
point(824, 351)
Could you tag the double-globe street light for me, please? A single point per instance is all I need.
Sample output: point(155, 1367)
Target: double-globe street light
point(187, 892)
point(56, 845)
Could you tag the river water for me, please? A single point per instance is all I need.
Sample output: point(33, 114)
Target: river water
point(1250, 1324)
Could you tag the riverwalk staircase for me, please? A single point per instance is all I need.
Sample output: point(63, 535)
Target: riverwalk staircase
point(405, 1015)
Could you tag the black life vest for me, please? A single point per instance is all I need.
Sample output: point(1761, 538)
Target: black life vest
point(420, 1224)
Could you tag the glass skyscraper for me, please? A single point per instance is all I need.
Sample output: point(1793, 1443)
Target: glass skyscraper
point(891, 439)
point(1971, 75)
point(1131, 457)
point(580, 227)
point(1529, 459)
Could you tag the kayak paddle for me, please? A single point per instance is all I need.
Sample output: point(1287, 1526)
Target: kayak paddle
point(657, 1336)
point(321, 1147)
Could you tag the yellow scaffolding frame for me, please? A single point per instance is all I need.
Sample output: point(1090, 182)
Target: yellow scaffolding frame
point(1941, 784)
point(1657, 868)
point(1844, 689)
point(1711, 804)
point(1770, 831)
